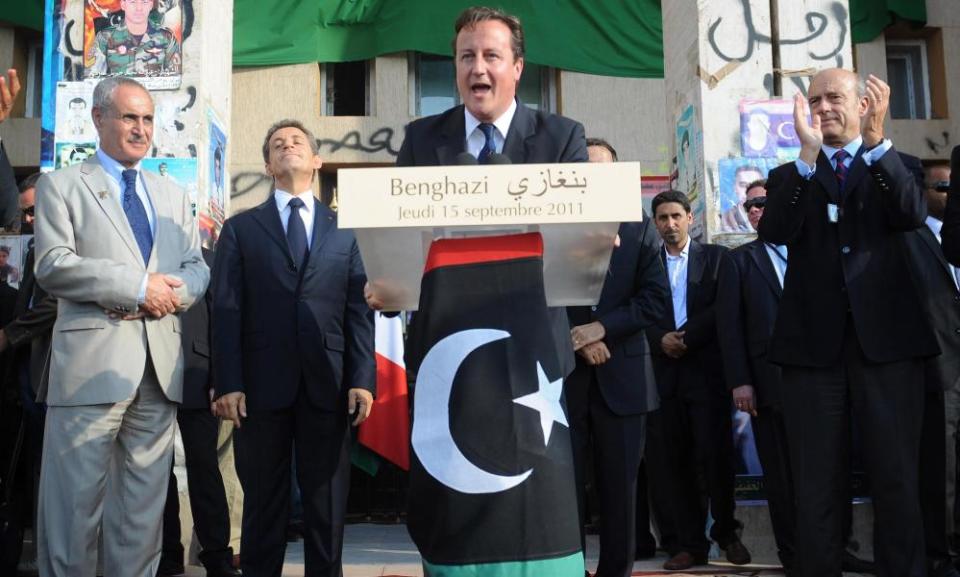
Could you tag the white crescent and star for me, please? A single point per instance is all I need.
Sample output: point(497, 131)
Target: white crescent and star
point(431, 438)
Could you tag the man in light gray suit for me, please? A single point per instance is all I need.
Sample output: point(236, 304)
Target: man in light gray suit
point(119, 248)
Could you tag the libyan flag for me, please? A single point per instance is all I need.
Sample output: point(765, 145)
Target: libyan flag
point(491, 475)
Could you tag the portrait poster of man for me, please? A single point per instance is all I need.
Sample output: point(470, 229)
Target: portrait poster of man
point(766, 129)
point(182, 171)
point(70, 153)
point(217, 176)
point(136, 38)
point(73, 120)
point(11, 260)
point(736, 174)
point(689, 173)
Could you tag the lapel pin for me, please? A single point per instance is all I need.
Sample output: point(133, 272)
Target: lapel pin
point(102, 194)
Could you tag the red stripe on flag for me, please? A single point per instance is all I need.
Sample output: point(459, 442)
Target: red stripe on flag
point(387, 430)
point(456, 251)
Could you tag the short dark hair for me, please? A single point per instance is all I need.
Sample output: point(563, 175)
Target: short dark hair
point(218, 153)
point(28, 182)
point(762, 182)
point(603, 144)
point(748, 167)
point(477, 14)
point(78, 100)
point(670, 196)
point(288, 123)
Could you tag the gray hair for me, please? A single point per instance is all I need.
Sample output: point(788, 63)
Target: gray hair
point(103, 93)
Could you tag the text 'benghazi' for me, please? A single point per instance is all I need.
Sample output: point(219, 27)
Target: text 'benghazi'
point(437, 190)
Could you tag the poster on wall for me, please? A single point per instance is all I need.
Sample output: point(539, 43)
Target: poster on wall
point(182, 171)
point(651, 186)
point(70, 153)
point(73, 120)
point(136, 38)
point(11, 260)
point(736, 174)
point(689, 168)
point(767, 129)
point(217, 175)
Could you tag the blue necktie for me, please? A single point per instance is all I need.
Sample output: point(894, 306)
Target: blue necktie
point(136, 214)
point(489, 146)
point(296, 233)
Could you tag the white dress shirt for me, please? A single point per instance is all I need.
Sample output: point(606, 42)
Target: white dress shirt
point(778, 256)
point(307, 211)
point(677, 274)
point(869, 156)
point(475, 137)
point(935, 224)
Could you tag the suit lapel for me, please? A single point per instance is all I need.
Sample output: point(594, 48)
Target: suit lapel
point(858, 169)
point(269, 218)
point(758, 252)
point(695, 267)
point(453, 138)
point(95, 179)
point(161, 200)
point(522, 127)
point(931, 241)
point(322, 224)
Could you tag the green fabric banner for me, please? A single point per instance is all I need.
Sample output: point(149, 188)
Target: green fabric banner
point(609, 38)
point(26, 13)
point(868, 18)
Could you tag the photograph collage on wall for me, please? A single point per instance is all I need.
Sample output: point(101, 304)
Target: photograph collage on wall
point(136, 38)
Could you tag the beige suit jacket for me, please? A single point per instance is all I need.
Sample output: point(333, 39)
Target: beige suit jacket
point(87, 257)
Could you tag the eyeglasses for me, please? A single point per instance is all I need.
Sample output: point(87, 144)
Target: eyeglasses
point(941, 186)
point(755, 202)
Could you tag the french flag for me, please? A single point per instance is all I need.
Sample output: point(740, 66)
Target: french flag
point(387, 430)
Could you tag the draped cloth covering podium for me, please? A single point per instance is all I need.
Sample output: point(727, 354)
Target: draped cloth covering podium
point(491, 473)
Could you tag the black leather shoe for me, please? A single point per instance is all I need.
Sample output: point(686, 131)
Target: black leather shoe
point(684, 560)
point(169, 567)
point(850, 563)
point(224, 569)
point(736, 552)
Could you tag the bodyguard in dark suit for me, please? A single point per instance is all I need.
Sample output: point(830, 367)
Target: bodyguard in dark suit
point(691, 433)
point(293, 357)
point(489, 60)
point(751, 284)
point(951, 217)
point(937, 282)
point(851, 334)
point(608, 394)
point(199, 429)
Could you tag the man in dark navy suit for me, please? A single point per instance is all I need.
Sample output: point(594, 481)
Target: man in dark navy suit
point(609, 393)
point(489, 59)
point(293, 357)
point(939, 285)
point(690, 435)
point(751, 283)
point(851, 335)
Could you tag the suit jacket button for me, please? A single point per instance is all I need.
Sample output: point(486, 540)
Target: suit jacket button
point(957, 331)
point(845, 250)
point(593, 308)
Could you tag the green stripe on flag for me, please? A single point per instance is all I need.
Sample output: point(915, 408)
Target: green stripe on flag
point(569, 566)
point(365, 459)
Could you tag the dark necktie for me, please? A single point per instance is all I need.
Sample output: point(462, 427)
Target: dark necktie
point(841, 169)
point(136, 214)
point(489, 146)
point(296, 233)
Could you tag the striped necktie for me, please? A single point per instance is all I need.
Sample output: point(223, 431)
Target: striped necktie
point(840, 169)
